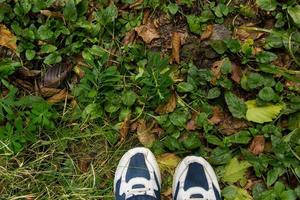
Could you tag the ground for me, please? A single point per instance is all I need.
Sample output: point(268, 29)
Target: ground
point(83, 81)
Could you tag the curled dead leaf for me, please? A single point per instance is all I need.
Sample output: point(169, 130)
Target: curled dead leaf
point(191, 125)
point(124, 128)
point(168, 162)
point(236, 73)
point(257, 145)
point(145, 136)
point(231, 125)
point(59, 97)
point(167, 107)
point(56, 75)
point(146, 16)
point(176, 44)
point(218, 115)
point(136, 3)
point(48, 92)
point(147, 32)
point(247, 32)
point(207, 33)
point(25, 72)
point(216, 70)
point(24, 84)
point(7, 39)
point(49, 13)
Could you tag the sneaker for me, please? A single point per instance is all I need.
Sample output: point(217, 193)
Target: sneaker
point(195, 179)
point(137, 176)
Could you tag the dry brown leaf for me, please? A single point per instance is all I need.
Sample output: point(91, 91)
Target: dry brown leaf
point(167, 107)
point(129, 37)
point(146, 16)
point(56, 75)
point(216, 70)
point(145, 136)
point(236, 73)
point(231, 125)
point(207, 33)
point(48, 92)
point(191, 125)
point(218, 115)
point(167, 194)
point(176, 45)
point(6, 52)
point(257, 145)
point(7, 39)
point(147, 32)
point(59, 97)
point(84, 162)
point(243, 34)
point(124, 128)
point(136, 3)
point(49, 13)
point(168, 162)
point(24, 84)
point(25, 72)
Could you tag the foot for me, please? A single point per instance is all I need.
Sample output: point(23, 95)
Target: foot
point(195, 179)
point(137, 176)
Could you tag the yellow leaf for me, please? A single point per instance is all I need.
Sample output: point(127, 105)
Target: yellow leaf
point(7, 39)
point(262, 114)
point(235, 170)
point(168, 161)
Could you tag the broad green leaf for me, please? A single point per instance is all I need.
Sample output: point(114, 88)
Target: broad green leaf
point(262, 114)
point(44, 32)
point(70, 12)
point(178, 119)
point(219, 46)
point(294, 12)
point(235, 170)
point(214, 93)
point(53, 58)
point(236, 106)
point(173, 8)
point(268, 5)
point(48, 48)
point(226, 67)
point(30, 54)
point(194, 24)
point(192, 141)
point(129, 97)
point(267, 94)
point(235, 193)
point(185, 87)
point(266, 57)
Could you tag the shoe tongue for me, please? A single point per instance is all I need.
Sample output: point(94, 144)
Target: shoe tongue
point(196, 196)
point(138, 186)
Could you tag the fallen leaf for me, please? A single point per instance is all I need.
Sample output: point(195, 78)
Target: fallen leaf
point(191, 125)
point(49, 13)
point(136, 3)
point(129, 37)
point(48, 92)
point(243, 33)
point(146, 16)
point(84, 162)
point(144, 134)
point(176, 44)
point(24, 84)
point(236, 73)
point(168, 162)
point(167, 194)
point(147, 32)
point(7, 39)
point(207, 33)
point(231, 125)
point(124, 127)
point(235, 170)
point(257, 145)
point(167, 107)
point(216, 70)
point(218, 115)
point(262, 114)
point(25, 72)
point(56, 75)
point(59, 97)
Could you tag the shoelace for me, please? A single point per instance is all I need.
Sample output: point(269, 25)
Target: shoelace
point(137, 191)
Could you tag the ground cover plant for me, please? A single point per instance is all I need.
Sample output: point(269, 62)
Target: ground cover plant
point(82, 81)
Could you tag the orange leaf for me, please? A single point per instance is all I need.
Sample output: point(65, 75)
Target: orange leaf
point(147, 32)
point(7, 39)
point(167, 107)
point(207, 33)
point(176, 44)
point(218, 115)
point(257, 145)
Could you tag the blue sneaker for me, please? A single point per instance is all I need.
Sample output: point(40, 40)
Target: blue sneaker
point(195, 179)
point(137, 176)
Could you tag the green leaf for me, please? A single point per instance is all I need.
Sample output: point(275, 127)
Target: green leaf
point(268, 5)
point(192, 141)
point(53, 58)
point(173, 8)
point(129, 97)
point(226, 67)
point(266, 57)
point(44, 32)
point(194, 24)
point(30, 54)
point(219, 46)
point(273, 175)
point(70, 11)
point(233, 45)
point(235, 193)
point(267, 94)
point(262, 114)
point(185, 87)
point(235, 170)
point(288, 195)
point(178, 119)
point(213, 93)
point(92, 111)
point(294, 12)
point(236, 106)
point(48, 48)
